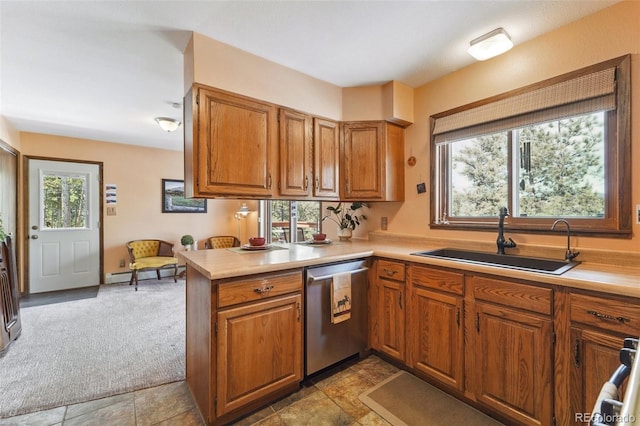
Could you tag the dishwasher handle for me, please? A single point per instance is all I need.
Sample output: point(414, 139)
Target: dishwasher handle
point(329, 276)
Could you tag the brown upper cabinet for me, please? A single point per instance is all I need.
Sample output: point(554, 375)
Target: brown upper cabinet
point(372, 161)
point(309, 156)
point(295, 153)
point(326, 158)
point(230, 144)
point(236, 146)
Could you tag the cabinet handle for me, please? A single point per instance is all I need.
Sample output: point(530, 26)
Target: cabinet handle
point(576, 353)
point(306, 182)
point(477, 322)
point(266, 289)
point(458, 317)
point(608, 317)
point(298, 306)
point(269, 181)
point(317, 184)
point(400, 300)
point(390, 272)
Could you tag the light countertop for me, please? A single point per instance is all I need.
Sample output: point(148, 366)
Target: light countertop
point(227, 263)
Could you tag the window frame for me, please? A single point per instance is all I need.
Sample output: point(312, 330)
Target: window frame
point(617, 221)
point(267, 223)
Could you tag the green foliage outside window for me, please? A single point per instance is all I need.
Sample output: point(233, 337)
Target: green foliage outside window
point(64, 202)
point(558, 170)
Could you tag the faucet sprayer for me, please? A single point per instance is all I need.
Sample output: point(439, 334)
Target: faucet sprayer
point(569, 255)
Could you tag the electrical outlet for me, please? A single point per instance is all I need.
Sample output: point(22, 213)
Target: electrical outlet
point(122, 261)
point(637, 213)
point(383, 223)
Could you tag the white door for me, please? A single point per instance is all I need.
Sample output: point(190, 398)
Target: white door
point(64, 225)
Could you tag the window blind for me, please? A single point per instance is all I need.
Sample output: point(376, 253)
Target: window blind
point(580, 95)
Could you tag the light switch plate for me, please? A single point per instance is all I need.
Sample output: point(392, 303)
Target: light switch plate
point(637, 213)
point(111, 210)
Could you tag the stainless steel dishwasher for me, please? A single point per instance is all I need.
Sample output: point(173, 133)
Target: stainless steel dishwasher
point(327, 343)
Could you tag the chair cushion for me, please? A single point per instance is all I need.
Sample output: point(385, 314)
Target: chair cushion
point(153, 262)
point(145, 248)
point(221, 242)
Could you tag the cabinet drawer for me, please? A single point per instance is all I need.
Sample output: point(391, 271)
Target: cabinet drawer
point(609, 314)
point(451, 282)
point(391, 270)
point(523, 296)
point(258, 287)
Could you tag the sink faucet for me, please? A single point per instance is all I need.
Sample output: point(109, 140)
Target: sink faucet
point(569, 255)
point(501, 242)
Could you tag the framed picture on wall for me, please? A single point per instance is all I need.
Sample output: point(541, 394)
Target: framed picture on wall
point(174, 201)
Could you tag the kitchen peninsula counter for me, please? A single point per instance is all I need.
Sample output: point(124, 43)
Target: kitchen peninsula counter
point(227, 263)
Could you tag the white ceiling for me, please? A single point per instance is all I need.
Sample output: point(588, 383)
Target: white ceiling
point(104, 69)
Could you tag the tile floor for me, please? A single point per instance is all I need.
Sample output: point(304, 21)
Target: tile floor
point(329, 399)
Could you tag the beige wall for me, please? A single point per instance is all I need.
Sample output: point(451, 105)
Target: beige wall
point(138, 171)
point(9, 134)
point(216, 64)
point(613, 32)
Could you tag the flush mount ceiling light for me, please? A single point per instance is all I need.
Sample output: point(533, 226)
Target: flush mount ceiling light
point(168, 124)
point(491, 44)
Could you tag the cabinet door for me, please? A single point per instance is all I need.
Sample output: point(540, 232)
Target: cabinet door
point(295, 153)
point(595, 356)
point(437, 335)
point(514, 363)
point(326, 158)
point(236, 145)
point(259, 350)
point(391, 317)
point(364, 160)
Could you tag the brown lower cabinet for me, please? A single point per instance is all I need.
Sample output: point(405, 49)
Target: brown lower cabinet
point(244, 341)
point(436, 325)
point(527, 353)
point(598, 328)
point(391, 308)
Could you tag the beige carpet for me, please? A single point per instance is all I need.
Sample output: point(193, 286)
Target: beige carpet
point(120, 341)
point(405, 400)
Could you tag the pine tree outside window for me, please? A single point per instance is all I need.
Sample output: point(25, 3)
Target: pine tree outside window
point(560, 148)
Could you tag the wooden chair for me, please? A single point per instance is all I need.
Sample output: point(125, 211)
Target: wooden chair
point(10, 324)
point(151, 254)
point(221, 241)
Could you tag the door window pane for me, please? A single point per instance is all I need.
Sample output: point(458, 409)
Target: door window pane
point(64, 201)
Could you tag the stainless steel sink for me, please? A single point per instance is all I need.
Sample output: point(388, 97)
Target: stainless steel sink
point(533, 264)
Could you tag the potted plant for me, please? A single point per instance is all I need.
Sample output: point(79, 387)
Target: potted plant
point(346, 218)
point(186, 241)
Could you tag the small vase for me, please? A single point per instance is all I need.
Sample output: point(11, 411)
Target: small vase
point(344, 234)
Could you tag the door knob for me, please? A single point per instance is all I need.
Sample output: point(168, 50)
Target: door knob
point(34, 237)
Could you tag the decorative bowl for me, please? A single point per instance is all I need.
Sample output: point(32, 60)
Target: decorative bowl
point(256, 241)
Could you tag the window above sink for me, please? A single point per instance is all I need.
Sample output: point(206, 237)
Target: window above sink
point(559, 148)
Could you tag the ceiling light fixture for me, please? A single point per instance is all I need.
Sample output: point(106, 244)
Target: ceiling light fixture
point(168, 124)
point(491, 44)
